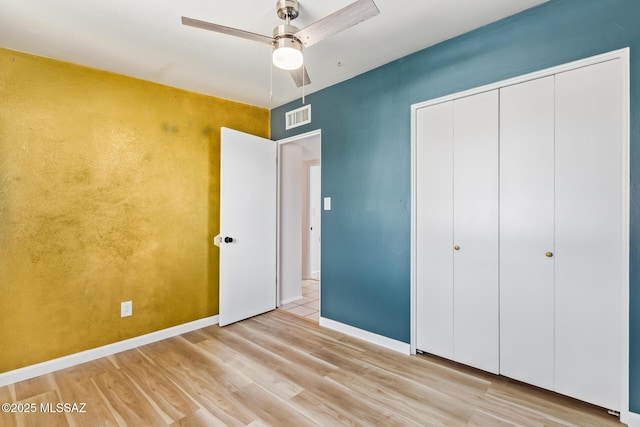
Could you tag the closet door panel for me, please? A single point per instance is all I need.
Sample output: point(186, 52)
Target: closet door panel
point(527, 232)
point(589, 233)
point(475, 225)
point(434, 251)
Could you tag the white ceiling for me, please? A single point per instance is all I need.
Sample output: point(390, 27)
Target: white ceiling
point(145, 39)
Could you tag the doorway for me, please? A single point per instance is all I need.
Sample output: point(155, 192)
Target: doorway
point(299, 225)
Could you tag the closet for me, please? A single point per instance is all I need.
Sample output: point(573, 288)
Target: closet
point(520, 229)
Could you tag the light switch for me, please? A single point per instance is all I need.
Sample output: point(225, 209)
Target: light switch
point(327, 203)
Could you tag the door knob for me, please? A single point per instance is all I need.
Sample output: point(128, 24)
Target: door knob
point(456, 247)
point(228, 239)
point(549, 254)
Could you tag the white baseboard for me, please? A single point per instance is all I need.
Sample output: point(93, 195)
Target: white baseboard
point(49, 366)
point(380, 340)
point(289, 300)
point(631, 419)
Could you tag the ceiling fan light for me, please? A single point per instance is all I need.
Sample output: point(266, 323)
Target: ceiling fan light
point(287, 54)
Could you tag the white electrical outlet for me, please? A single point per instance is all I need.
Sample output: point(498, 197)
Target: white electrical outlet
point(126, 309)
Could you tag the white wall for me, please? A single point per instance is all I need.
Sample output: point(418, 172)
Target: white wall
point(290, 223)
point(314, 220)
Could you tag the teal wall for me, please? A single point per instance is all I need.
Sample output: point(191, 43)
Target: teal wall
point(366, 144)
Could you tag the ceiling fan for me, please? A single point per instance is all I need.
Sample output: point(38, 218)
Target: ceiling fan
point(287, 40)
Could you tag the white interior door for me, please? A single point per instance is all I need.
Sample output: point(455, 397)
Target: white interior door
point(589, 233)
point(248, 217)
point(475, 231)
point(527, 232)
point(434, 229)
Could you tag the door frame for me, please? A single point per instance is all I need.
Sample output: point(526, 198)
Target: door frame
point(280, 143)
point(623, 56)
point(307, 213)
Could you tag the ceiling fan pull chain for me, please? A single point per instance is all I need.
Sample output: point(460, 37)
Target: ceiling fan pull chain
point(303, 82)
point(271, 84)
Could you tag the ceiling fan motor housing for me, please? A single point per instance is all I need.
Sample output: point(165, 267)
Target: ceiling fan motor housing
point(287, 9)
point(284, 30)
point(283, 36)
point(287, 42)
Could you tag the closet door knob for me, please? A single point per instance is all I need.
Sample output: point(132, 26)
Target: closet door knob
point(549, 254)
point(456, 247)
point(228, 239)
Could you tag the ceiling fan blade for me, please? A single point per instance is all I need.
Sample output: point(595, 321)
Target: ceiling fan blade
point(344, 18)
point(299, 74)
point(226, 30)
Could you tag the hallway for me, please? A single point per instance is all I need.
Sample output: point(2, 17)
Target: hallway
point(309, 306)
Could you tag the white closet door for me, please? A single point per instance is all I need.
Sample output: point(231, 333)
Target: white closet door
point(434, 229)
point(527, 232)
point(475, 225)
point(589, 233)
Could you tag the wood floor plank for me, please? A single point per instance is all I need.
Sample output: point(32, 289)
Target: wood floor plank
point(445, 377)
point(151, 379)
point(267, 376)
point(195, 337)
point(200, 418)
point(213, 360)
point(323, 412)
point(204, 381)
point(280, 370)
point(274, 412)
point(550, 406)
point(406, 400)
point(275, 346)
point(34, 386)
point(264, 367)
point(7, 419)
point(482, 419)
point(76, 386)
point(127, 400)
point(40, 417)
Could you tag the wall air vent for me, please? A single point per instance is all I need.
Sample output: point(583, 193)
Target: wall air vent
point(298, 117)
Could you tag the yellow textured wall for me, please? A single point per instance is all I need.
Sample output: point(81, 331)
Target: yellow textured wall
point(109, 191)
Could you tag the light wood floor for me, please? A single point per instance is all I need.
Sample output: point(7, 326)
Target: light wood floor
point(280, 370)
